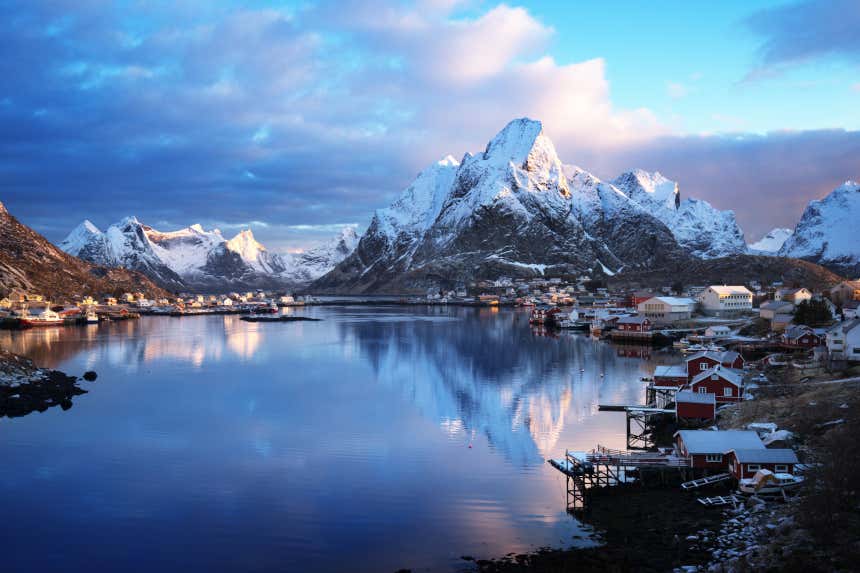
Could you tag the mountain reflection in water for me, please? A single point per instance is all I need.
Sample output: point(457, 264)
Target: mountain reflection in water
point(308, 444)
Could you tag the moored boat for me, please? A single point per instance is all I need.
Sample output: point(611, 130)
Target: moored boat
point(765, 482)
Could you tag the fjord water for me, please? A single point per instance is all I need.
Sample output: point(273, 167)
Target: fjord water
point(217, 444)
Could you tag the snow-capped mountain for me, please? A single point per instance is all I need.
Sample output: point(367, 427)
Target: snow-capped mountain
point(514, 209)
point(771, 243)
point(307, 266)
point(697, 226)
point(827, 233)
point(195, 258)
point(29, 262)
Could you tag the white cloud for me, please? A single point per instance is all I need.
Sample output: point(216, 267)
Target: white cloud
point(676, 90)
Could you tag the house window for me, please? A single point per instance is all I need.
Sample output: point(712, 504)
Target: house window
point(703, 390)
point(753, 467)
point(781, 468)
point(716, 458)
point(703, 366)
point(728, 392)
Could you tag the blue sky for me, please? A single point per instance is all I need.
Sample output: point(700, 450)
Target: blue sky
point(297, 118)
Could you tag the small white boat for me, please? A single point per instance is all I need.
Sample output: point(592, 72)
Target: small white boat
point(92, 318)
point(765, 482)
point(694, 348)
point(683, 343)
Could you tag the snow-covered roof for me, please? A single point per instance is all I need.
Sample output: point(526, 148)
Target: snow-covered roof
point(728, 374)
point(764, 456)
point(775, 304)
point(725, 357)
point(673, 300)
point(729, 290)
point(688, 397)
point(709, 442)
point(637, 319)
point(676, 371)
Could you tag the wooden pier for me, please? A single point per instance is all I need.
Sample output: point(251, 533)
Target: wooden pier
point(640, 418)
point(605, 467)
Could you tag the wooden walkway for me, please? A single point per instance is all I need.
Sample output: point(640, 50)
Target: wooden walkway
point(693, 484)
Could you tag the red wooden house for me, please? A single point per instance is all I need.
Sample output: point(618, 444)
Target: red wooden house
point(670, 375)
point(745, 463)
point(801, 337)
point(726, 384)
point(701, 361)
point(695, 406)
point(636, 323)
point(707, 448)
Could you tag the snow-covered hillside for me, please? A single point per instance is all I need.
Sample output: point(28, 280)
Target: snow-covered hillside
point(771, 243)
point(697, 226)
point(513, 209)
point(827, 232)
point(196, 258)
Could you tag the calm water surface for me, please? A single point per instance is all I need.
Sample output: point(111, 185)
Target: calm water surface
point(217, 444)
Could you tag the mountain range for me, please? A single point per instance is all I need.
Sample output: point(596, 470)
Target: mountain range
point(196, 259)
point(28, 261)
point(515, 209)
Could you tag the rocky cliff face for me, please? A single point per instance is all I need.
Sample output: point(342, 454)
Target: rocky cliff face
point(827, 232)
point(30, 262)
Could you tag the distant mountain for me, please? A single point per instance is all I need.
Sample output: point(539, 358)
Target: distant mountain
point(29, 262)
point(701, 229)
point(827, 232)
point(516, 210)
point(198, 259)
point(771, 243)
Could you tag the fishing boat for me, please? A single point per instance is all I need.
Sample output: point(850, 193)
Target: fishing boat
point(683, 343)
point(92, 318)
point(45, 318)
point(765, 482)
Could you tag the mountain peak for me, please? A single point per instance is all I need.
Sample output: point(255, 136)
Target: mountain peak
point(641, 185)
point(197, 227)
point(515, 142)
point(772, 242)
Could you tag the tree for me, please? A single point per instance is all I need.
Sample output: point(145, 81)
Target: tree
point(812, 312)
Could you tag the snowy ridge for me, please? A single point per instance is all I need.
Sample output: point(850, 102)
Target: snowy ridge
point(697, 226)
point(827, 233)
point(514, 209)
point(771, 243)
point(197, 258)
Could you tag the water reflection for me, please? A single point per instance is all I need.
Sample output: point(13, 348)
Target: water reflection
point(299, 446)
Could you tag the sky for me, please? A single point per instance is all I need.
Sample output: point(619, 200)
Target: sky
point(297, 118)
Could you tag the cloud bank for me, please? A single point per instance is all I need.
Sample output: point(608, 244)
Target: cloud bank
point(298, 119)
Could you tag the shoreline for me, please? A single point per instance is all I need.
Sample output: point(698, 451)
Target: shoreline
point(25, 388)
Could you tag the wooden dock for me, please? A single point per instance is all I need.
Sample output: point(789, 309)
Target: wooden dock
point(605, 467)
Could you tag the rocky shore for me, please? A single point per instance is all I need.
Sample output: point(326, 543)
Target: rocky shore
point(26, 388)
point(642, 529)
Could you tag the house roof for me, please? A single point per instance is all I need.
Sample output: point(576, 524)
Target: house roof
point(724, 289)
point(710, 442)
point(688, 397)
point(783, 318)
point(797, 331)
point(728, 374)
point(775, 305)
point(672, 300)
point(725, 357)
point(638, 319)
point(676, 371)
point(765, 456)
point(846, 326)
